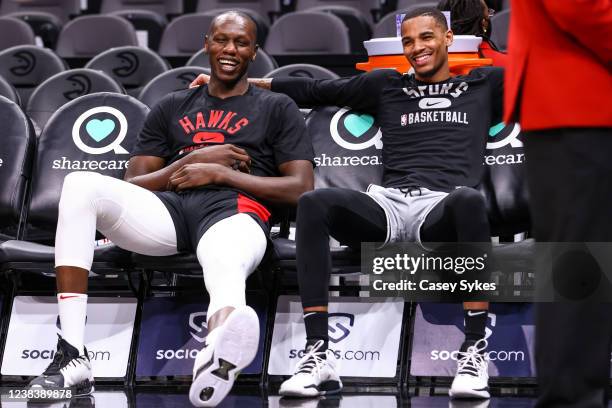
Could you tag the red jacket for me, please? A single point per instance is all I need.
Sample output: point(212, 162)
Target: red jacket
point(500, 59)
point(559, 68)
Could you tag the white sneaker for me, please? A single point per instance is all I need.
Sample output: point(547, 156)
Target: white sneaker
point(218, 364)
point(67, 370)
point(315, 375)
point(472, 378)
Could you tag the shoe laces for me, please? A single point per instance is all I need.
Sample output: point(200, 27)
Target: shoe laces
point(313, 360)
point(472, 360)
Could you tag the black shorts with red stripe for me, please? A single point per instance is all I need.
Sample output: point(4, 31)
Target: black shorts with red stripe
point(195, 211)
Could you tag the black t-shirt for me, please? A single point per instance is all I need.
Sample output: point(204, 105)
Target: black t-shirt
point(434, 135)
point(269, 126)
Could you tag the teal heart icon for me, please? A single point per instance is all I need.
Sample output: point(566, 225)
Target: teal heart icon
point(357, 125)
point(99, 129)
point(496, 129)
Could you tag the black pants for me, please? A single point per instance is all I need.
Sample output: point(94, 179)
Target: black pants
point(352, 217)
point(569, 175)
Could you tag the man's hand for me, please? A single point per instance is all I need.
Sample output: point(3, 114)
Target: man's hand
point(226, 155)
point(201, 79)
point(196, 175)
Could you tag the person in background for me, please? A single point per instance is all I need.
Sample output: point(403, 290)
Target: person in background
point(473, 17)
point(558, 87)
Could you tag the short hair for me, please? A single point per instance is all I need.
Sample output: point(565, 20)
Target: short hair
point(237, 13)
point(427, 12)
point(466, 15)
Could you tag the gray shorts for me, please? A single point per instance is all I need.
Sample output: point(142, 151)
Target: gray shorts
point(405, 212)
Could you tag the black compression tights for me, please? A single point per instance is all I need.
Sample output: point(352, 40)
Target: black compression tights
point(352, 217)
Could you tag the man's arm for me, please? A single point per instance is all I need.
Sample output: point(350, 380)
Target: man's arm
point(359, 92)
point(588, 21)
point(151, 172)
point(297, 178)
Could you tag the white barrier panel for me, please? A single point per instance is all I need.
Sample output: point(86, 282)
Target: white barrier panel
point(31, 341)
point(364, 335)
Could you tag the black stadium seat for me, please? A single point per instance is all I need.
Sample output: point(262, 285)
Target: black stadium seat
point(174, 80)
point(356, 22)
point(7, 91)
point(65, 87)
point(263, 63)
point(327, 34)
point(501, 24)
point(184, 36)
point(145, 21)
point(27, 66)
point(14, 32)
point(71, 141)
point(133, 67)
point(59, 10)
point(366, 8)
point(265, 8)
point(302, 71)
point(17, 142)
point(87, 36)
point(387, 26)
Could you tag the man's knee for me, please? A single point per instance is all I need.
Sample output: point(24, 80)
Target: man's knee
point(314, 205)
point(79, 186)
point(467, 200)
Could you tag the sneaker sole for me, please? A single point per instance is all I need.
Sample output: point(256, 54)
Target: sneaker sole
point(466, 394)
point(235, 348)
point(326, 388)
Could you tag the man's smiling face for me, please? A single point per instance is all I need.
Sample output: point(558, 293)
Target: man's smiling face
point(425, 42)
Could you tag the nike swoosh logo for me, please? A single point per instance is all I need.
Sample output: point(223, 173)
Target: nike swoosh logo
point(62, 297)
point(309, 314)
point(49, 382)
point(432, 104)
point(470, 313)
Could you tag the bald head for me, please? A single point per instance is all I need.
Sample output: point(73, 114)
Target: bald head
point(237, 17)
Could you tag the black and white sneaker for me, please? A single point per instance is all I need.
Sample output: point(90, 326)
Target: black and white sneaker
point(315, 375)
point(223, 357)
point(472, 378)
point(67, 370)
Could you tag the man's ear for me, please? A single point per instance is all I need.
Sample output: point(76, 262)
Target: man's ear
point(206, 44)
point(449, 38)
point(255, 54)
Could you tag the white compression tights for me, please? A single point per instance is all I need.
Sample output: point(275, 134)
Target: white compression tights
point(135, 219)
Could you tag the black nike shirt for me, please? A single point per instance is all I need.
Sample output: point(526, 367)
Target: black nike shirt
point(434, 134)
point(269, 126)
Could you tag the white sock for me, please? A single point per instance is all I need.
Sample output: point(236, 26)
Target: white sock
point(72, 313)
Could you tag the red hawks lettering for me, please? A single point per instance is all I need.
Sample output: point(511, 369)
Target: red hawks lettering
point(217, 119)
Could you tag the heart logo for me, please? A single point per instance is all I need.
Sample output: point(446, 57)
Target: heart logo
point(99, 129)
point(357, 125)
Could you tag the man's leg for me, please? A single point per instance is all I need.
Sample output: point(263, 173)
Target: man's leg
point(131, 217)
point(350, 217)
point(569, 173)
point(462, 217)
point(229, 252)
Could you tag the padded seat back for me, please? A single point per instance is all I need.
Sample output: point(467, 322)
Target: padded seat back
point(8, 91)
point(347, 148)
point(504, 182)
point(132, 67)
point(27, 66)
point(170, 81)
point(17, 141)
point(327, 34)
point(184, 36)
point(14, 32)
point(92, 133)
point(65, 87)
point(88, 36)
